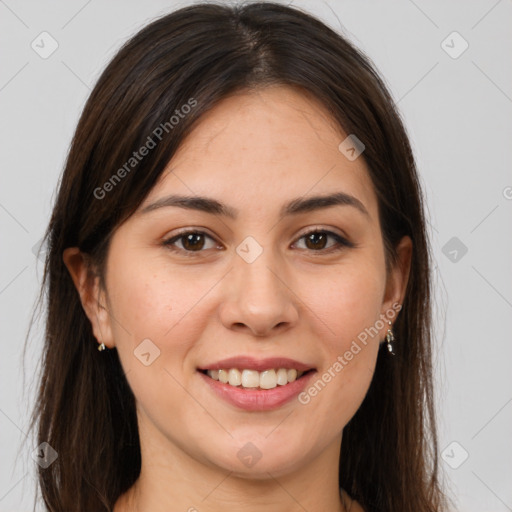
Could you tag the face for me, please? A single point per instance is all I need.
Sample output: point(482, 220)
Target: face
point(278, 286)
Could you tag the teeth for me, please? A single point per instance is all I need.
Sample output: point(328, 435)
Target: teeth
point(282, 376)
point(250, 379)
point(292, 375)
point(235, 377)
point(267, 379)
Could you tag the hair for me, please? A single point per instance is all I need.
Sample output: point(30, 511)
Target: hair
point(197, 56)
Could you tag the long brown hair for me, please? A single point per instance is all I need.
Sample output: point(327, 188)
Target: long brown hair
point(85, 408)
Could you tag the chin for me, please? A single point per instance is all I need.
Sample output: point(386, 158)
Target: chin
point(255, 460)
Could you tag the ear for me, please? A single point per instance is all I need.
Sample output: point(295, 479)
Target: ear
point(92, 296)
point(397, 280)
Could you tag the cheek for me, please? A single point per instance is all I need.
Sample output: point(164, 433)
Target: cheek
point(347, 302)
point(349, 306)
point(150, 302)
point(166, 307)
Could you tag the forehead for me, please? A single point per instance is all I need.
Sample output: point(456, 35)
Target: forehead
point(258, 148)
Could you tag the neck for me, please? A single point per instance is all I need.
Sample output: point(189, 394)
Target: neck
point(171, 479)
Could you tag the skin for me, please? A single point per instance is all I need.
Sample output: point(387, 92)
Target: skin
point(255, 152)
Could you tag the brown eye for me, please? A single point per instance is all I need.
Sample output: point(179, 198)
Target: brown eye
point(317, 241)
point(191, 241)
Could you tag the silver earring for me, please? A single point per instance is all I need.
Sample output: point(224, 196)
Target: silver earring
point(101, 346)
point(390, 339)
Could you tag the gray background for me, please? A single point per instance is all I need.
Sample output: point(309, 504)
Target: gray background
point(458, 114)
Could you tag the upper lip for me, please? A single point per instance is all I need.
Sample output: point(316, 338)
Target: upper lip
point(252, 363)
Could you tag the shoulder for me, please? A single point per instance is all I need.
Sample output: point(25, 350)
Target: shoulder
point(353, 505)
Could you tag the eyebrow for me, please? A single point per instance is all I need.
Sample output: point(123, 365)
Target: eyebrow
point(294, 207)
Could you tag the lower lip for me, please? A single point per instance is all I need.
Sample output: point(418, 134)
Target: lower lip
point(258, 400)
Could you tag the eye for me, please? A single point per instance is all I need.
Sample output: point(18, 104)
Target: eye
point(316, 241)
point(191, 241)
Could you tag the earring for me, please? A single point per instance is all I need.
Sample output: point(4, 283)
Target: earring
point(390, 339)
point(101, 346)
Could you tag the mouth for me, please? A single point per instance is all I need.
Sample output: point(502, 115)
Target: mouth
point(254, 390)
point(250, 379)
point(255, 384)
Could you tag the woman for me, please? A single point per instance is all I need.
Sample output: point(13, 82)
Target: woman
point(240, 230)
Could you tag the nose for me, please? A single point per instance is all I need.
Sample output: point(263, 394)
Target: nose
point(258, 300)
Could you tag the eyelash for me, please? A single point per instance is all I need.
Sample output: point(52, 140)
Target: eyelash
point(341, 243)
